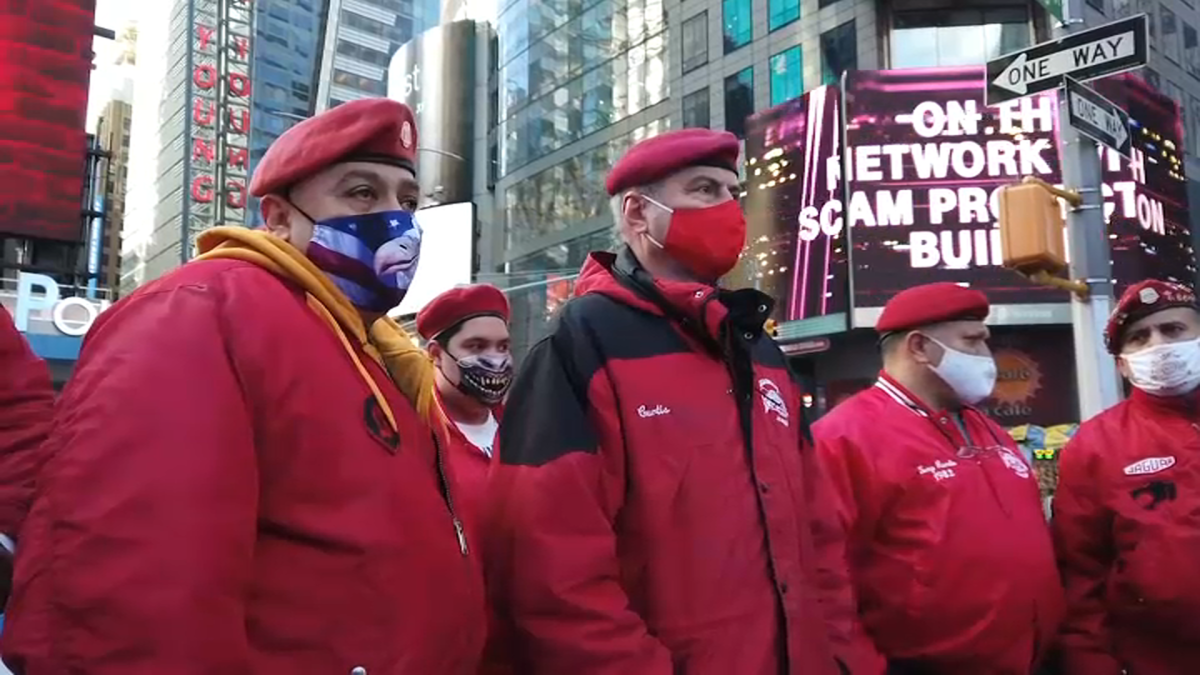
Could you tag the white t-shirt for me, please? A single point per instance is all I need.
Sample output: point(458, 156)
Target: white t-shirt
point(482, 436)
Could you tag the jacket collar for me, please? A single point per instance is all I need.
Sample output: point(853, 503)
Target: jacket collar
point(1186, 405)
point(706, 313)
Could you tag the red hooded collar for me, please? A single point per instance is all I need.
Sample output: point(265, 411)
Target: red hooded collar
point(705, 312)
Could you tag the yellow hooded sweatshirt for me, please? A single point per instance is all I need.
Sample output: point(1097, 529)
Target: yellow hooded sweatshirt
point(387, 342)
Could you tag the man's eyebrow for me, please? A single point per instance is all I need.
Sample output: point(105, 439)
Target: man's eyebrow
point(360, 174)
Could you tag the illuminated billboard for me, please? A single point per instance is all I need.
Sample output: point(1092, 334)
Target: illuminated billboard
point(45, 66)
point(927, 158)
point(796, 250)
point(447, 254)
point(917, 189)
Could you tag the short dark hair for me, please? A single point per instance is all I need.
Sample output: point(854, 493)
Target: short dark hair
point(890, 343)
point(443, 338)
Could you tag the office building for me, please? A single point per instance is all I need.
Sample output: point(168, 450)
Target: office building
point(114, 131)
point(575, 83)
point(360, 38)
point(289, 35)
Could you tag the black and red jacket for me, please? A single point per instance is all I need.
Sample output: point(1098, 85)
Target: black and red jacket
point(656, 508)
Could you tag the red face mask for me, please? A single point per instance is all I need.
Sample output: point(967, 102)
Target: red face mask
point(706, 241)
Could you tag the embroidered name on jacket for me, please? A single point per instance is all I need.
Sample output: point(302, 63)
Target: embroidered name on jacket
point(941, 470)
point(657, 410)
point(1149, 465)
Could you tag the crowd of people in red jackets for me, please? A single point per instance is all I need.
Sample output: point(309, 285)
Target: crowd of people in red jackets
point(254, 471)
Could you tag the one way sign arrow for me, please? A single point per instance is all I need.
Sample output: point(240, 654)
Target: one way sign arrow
point(1098, 117)
point(1087, 55)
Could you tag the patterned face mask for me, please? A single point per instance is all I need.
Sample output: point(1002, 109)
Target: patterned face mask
point(372, 258)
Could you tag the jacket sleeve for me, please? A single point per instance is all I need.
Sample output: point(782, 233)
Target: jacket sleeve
point(1082, 527)
point(851, 643)
point(554, 496)
point(139, 548)
point(835, 517)
point(26, 411)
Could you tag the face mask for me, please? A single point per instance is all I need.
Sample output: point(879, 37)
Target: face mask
point(971, 377)
point(706, 241)
point(485, 377)
point(372, 258)
point(1166, 370)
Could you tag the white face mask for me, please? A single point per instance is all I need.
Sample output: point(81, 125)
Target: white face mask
point(971, 377)
point(1166, 370)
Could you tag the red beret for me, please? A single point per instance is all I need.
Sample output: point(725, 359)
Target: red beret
point(1140, 301)
point(459, 304)
point(932, 303)
point(660, 156)
point(367, 130)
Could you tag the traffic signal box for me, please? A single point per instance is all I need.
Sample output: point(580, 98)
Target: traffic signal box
point(1031, 229)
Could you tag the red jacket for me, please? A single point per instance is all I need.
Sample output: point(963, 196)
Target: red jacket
point(1128, 539)
point(469, 469)
point(223, 498)
point(951, 556)
point(26, 411)
point(635, 530)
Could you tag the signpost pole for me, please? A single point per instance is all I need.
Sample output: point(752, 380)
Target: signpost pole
point(1095, 371)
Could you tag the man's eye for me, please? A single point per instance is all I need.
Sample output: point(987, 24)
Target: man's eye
point(409, 204)
point(362, 193)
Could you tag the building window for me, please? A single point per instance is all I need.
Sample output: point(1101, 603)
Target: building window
point(957, 37)
point(825, 3)
point(737, 27)
point(695, 42)
point(1191, 51)
point(1151, 77)
point(739, 101)
point(783, 12)
point(1170, 34)
point(839, 52)
point(695, 109)
point(787, 75)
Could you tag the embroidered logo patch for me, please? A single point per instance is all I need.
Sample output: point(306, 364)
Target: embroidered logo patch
point(377, 425)
point(1149, 465)
point(646, 411)
point(1015, 463)
point(773, 400)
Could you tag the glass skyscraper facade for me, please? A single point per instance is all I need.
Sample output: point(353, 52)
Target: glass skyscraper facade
point(360, 38)
point(577, 82)
point(287, 57)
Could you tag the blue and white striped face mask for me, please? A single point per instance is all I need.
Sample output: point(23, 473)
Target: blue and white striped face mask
point(372, 257)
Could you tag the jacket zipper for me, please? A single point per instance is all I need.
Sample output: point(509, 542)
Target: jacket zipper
point(459, 530)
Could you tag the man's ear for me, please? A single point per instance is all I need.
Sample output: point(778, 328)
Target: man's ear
point(1123, 367)
point(435, 349)
point(919, 347)
point(277, 216)
point(633, 207)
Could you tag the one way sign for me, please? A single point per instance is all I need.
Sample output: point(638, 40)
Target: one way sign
point(1098, 117)
point(1105, 50)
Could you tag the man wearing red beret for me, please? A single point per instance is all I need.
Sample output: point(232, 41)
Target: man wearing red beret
point(1125, 509)
point(655, 510)
point(26, 412)
point(949, 549)
point(466, 329)
point(243, 473)
point(467, 333)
